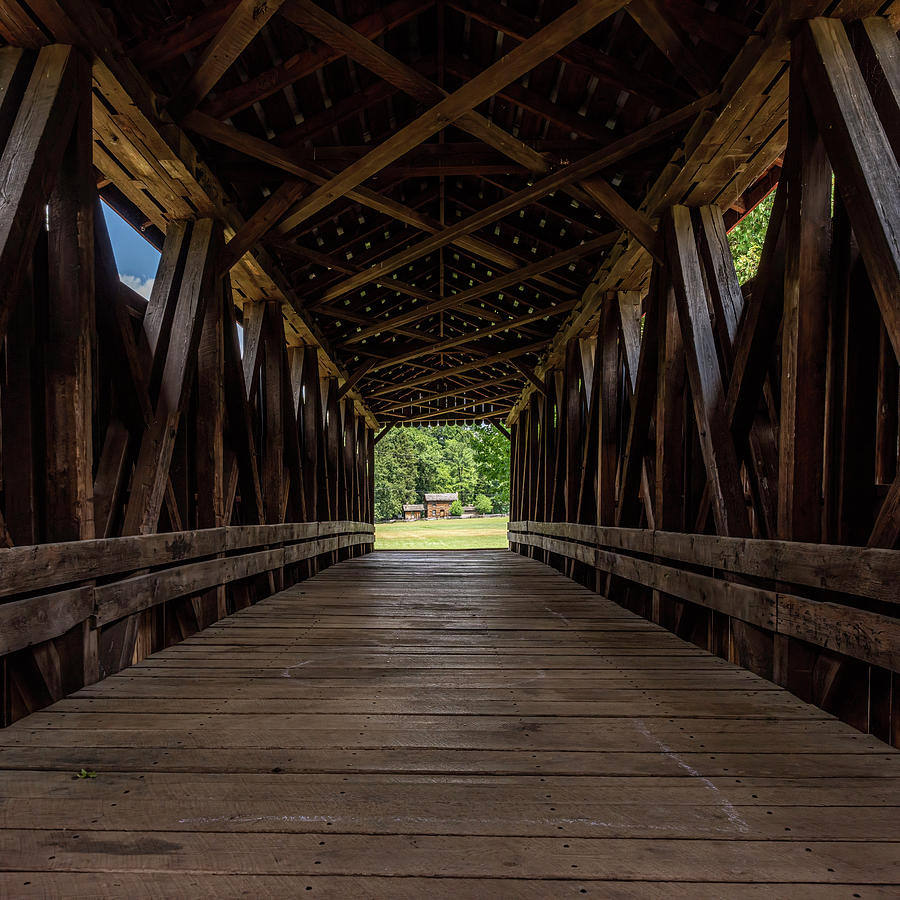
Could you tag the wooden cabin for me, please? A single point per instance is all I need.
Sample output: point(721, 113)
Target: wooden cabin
point(413, 511)
point(681, 679)
point(437, 506)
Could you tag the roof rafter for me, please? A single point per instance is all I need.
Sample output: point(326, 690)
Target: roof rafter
point(560, 32)
point(211, 128)
point(308, 62)
point(378, 61)
point(576, 171)
point(244, 23)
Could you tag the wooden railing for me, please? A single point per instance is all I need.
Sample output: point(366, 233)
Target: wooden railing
point(47, 589)
point(846, 599)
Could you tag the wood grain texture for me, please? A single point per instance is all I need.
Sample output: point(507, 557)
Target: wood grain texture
point(356, 734)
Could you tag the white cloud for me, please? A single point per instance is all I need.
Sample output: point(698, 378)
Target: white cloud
point(142, 285)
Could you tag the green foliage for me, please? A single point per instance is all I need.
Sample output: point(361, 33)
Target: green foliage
point(456, 508)
point(747, 239)
point(483, 504)
point(85, 773)
point(469, 460)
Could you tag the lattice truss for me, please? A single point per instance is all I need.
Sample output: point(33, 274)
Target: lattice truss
point(431, 185)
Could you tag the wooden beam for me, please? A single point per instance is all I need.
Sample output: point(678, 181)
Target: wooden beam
point(495, 284)
point(168, 43)
point(311, 432)
point(307, 62)
point(886, 530)
point(355, 377)
point(242, 25)
point(502, 430)
point(469, 337)
point(337, 34)
point(254, 316)
point(440, 413)
point(455, 392)
point(705, 374)
point(863, 159)
point(807, 247)
point(563, 30)
point(154, 458)
point(259, 224)
point(272, 412)
point(578, 54)
point(528, 372)
point(574, 172)
point(382, 433)
point(621, 212)
point(240, 425)
point(534, 102)
point(606, 413)
point(643, 403)
point(32, 154)
point(660, 26)
point(260, 149)
point(70, 334)
point(210, 434)
point(438, 374)
point(878, 52)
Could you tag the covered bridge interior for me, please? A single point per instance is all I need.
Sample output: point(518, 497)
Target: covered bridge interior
point(681, 679)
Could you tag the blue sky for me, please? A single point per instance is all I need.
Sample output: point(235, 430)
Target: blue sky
point(136, 258)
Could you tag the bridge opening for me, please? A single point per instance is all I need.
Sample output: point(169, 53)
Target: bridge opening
point(442, 487)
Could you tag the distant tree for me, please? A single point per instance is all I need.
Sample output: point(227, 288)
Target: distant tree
point(468, 459)
point(456, 508)
point(492, 463)
point(483, 505)
point(747, 238)
point(460, 459)
point(395, 473)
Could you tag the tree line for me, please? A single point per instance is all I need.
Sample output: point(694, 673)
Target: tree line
point(472, 460)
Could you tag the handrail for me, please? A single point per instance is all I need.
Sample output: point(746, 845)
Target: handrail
point(180, 564)
point(644, 556)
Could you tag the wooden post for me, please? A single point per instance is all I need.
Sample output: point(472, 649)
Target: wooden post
point(210, 433)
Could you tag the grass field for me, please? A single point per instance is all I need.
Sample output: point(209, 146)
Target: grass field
point(443, 534)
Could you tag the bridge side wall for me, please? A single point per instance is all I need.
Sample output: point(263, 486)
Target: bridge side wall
point(164, 462)
point(764, 414)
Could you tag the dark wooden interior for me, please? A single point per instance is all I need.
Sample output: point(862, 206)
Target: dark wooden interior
point(433, 212)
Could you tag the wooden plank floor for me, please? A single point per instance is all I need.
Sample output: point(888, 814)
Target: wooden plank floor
point(443, 725)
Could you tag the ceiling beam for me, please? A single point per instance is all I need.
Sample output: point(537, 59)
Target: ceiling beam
point(332, 31)
point(440, 413)
point(620, 211)
point(536, 103)
point(438, 374)
point(660, 26)
point(244, 23)
point(529, 374)
point(471, 336)
point(561, 31)
point(242, 96)
point(589, 59)
point(576, 171)
point(498, 284)
point(355, 377)
point(259, 224)
point(260, 149)
point(170, 42)
point(455, 392)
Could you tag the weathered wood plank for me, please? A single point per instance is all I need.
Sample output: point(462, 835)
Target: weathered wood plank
point(335, 699)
